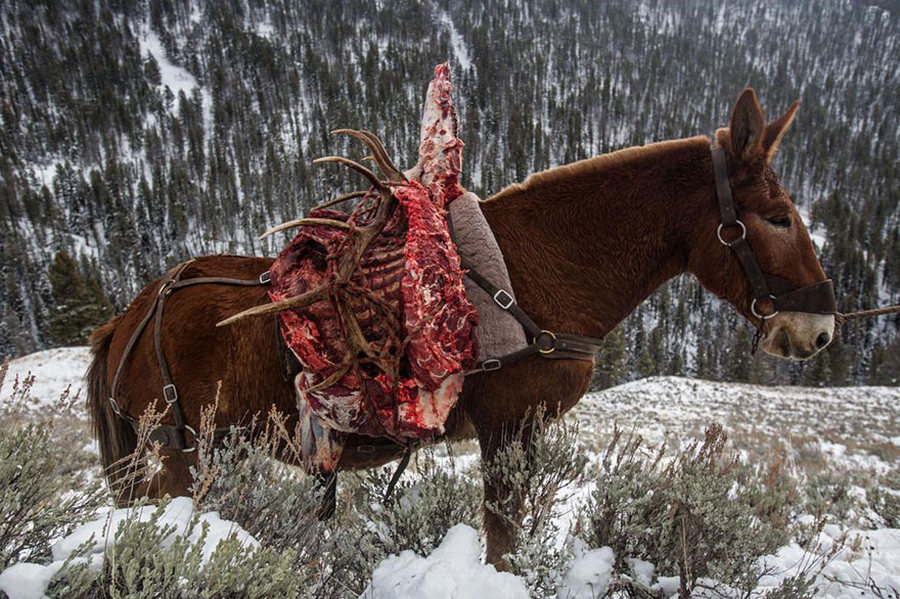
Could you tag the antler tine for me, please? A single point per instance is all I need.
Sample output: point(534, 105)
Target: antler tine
point(379, 154)
point(373, 179)
point(299, 301)
point(327, 222)
point(349, 196)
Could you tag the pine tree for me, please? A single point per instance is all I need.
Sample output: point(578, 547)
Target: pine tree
point(645, 366)
point(77, 306)
point(737, 366)
point(612, 361)
point(818, 370)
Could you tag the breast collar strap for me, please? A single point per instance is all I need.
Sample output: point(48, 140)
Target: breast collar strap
point(544, 343)
point(817, 298)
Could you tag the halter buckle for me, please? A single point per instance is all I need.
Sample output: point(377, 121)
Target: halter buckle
point(728, 243)
point(170, 394)
point(265, 278)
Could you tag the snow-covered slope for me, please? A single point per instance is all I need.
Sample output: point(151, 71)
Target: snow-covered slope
point(52, 374)
point(656, 407)
point(853, 427)
point(662, 404)
point(856, 426)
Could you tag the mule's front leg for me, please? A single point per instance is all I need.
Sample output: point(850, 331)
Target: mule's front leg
point(501, 407)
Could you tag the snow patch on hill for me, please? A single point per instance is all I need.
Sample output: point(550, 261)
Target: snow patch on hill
point(852, 425)
point(52, 374)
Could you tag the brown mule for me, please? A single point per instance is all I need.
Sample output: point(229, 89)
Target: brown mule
point(584, 243)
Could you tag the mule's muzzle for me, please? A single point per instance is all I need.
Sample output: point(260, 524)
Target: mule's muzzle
point(798, 335)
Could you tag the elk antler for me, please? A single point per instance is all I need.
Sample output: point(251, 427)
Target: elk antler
point(298, 301)
point(347, 196)
point(325, 222)
point(359, 237)
point(379, 154)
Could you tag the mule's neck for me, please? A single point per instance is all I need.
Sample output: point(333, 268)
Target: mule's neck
point(586, 243)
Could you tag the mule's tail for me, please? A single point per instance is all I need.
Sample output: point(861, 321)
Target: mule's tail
point(115, 435)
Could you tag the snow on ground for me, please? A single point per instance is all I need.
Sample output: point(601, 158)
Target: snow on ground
point(845, 424)
point(453, 570)
point(867, 554)
point(853, 425)
point(54, 371)
point(171, 75)
point(176, 78)
point(29, 581)
point(457, 43)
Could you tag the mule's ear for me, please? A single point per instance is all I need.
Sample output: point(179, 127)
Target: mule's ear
point(748, 126)
point(776, 130)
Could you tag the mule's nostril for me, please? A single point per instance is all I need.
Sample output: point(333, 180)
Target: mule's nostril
point(822, 340)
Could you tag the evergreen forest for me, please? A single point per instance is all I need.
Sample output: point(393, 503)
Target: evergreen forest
point(134, 135)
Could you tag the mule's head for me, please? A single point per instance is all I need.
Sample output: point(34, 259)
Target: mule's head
point(775, 234)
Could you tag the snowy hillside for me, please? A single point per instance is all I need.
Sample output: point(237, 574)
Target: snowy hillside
point(655, 407)
point(52, 374)
point(853, 429)
point(858, 426)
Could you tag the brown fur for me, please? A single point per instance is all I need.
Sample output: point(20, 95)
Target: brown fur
point(585, 244)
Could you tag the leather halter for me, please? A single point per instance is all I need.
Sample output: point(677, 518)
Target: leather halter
point(817, 298)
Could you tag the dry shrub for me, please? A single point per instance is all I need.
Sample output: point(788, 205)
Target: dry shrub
point(700, 515)
point(44, 491)
point(539, 473)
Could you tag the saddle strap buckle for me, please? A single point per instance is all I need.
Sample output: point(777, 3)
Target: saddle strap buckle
point(504, 299)
point(549, 346)
point(170, 394)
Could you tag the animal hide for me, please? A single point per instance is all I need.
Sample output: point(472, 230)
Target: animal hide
point(407, 295)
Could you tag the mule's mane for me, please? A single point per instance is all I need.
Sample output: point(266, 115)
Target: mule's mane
point(598, 165)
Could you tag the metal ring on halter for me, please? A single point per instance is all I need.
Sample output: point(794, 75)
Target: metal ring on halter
point(552, 347)
point(728, 243)
point(757, 314)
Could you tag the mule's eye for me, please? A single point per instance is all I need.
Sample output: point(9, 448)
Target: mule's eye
point(780, 221)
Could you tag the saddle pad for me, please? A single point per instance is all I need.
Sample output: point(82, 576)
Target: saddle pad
point(498, 332)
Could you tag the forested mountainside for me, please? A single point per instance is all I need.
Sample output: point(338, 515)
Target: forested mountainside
point(136, 134)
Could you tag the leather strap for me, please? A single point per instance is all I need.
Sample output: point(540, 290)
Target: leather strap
point(755, 276)
point(546, 344)
point(171, 436)
point(723, 187)
point(817, 298)
point(502, 298)
point(556, 346)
